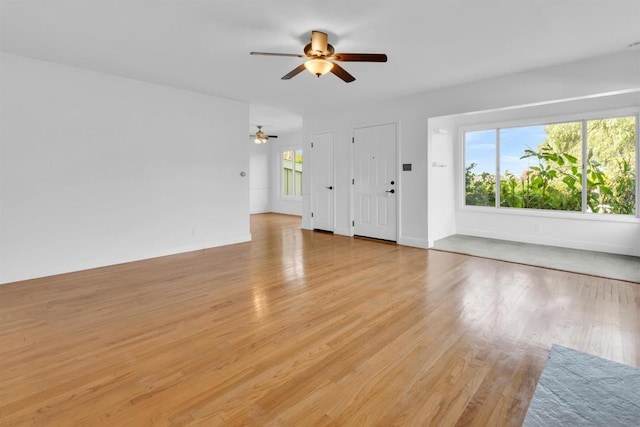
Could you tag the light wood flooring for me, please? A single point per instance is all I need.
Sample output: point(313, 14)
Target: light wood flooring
point(299, 328)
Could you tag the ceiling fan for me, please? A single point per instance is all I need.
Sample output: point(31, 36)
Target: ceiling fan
point(321, 58)
point(260, 137)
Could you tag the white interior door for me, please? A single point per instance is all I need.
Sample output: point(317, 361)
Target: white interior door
point(322, 214)
point(375, 184)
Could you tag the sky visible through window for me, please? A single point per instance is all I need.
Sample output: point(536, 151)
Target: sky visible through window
point(480, 149)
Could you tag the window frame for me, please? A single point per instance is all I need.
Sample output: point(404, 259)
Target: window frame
point(542, 121)
point(281, 151)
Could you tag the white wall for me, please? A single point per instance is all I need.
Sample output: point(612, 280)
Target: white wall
point(442, 175)
point(98, 170)
point(260, 177)
point(427, 189)
point(280, 204)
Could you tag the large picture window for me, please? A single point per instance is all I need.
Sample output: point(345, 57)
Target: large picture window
point(292, 173)
point(581, 166)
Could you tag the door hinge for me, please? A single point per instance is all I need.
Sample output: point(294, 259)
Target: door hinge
point(353, 181)
point(353, 140)
point(353, 223)
point(312, 145)
point(311, 214)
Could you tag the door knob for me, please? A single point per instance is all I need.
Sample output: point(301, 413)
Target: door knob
point(329, 187)
point(391, 191)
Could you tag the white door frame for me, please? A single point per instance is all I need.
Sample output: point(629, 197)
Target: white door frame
point(352, 208)
point(313, 179)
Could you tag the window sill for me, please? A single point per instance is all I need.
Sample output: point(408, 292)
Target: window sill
point(290, 198)
point(541, 213)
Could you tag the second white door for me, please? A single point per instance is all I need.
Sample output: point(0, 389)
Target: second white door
point(322, 181)
point(375, 184)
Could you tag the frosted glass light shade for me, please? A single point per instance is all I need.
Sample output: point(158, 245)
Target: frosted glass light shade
point(318, 67)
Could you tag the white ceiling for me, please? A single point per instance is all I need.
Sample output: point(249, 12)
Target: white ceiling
point(204, 45)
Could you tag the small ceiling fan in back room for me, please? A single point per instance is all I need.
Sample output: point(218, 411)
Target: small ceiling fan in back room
point(321, 58)
point(260, 137)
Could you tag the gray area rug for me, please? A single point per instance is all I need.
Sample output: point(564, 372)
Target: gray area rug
point(612, 266)
point(577, 389)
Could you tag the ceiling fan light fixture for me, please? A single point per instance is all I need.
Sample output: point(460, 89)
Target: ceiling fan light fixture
point(261, 137)
point(320, 58)
point(318, 66)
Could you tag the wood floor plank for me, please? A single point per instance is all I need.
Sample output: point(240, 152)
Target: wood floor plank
point(299, 328)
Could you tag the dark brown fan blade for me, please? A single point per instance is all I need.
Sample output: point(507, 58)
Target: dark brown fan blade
point(272, 136)
point(293, 72)
point(342, 73)
point(360, 57)
point(277, 54)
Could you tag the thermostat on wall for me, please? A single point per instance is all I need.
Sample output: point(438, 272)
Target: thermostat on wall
point(406, 167)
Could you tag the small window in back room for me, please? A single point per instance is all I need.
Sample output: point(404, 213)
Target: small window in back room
point(292, 173)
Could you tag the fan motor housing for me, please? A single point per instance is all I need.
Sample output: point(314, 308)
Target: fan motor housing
point(310, 52)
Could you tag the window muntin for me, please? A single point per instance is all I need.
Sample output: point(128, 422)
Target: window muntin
point(291, 168)
point(540, 166)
